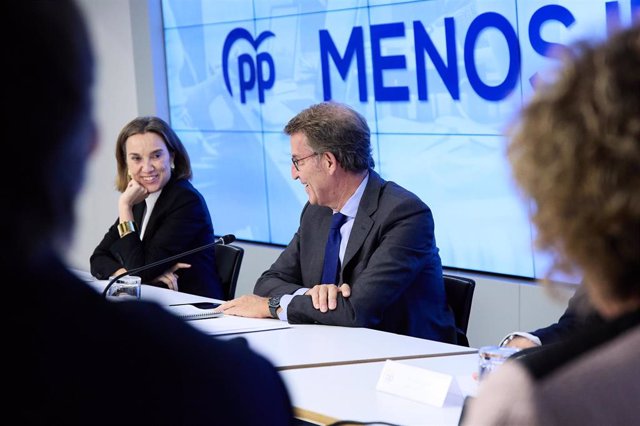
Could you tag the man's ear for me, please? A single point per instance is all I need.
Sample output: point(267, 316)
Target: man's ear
point(330, 161)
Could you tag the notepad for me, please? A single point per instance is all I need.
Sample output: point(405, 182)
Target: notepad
point(229, 324)
point(195, 311)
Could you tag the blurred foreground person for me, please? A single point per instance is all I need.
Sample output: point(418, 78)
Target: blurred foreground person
point(576, 153)
point(76, 358)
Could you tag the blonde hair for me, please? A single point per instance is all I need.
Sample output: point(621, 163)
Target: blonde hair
point(576, 152)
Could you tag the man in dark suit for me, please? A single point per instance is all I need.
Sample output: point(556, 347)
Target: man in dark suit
point(388, 276)
point(579, 315)
point(72, 357)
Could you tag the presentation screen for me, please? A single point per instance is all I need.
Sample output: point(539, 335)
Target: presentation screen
point(438, 81)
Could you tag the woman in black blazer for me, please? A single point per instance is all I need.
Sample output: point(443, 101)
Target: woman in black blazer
point(160, 214)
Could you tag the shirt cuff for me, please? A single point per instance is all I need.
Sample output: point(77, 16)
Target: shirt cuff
point(533, 338)
point(286, 299)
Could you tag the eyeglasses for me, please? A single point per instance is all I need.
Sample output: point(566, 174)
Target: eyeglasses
point(296, 161)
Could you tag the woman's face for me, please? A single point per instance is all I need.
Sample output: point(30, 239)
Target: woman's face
point(148, 161)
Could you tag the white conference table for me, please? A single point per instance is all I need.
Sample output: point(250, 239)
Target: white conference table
point(311, 345)
point(325, 395)
point(316, 345)
point(331, 372)
point(148, 293)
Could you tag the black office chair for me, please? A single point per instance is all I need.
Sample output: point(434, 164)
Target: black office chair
point(459, 292)
point(228, 262)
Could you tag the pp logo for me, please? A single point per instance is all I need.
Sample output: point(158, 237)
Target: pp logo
point(250, 72)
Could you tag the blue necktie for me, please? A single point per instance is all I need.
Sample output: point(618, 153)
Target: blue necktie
point(332, 251)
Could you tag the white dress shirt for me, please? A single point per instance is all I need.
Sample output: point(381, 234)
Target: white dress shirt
point(150, 204)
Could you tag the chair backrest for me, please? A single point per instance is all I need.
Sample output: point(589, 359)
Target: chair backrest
point(459, 292)
point(228, 262)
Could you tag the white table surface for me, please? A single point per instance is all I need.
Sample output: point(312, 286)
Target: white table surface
point(162, 296)
point(308, 345)
point(348, 392)
point(322, 345)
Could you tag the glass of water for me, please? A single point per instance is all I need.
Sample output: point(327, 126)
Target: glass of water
point(492, 357)
point(125, 288)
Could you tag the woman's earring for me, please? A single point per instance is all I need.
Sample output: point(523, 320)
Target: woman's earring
point(173, 166)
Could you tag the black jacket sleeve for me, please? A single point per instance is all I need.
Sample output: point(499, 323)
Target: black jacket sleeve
point(580, 313)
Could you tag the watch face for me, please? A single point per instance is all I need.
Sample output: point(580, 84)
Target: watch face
point(274, 302)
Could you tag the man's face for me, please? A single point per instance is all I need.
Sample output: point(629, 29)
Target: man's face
point(309, 170)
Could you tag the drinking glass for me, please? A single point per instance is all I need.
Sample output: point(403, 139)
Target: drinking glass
point(125, 288)
point(492, 357)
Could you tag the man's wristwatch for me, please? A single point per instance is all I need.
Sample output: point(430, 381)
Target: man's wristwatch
point(274, 304)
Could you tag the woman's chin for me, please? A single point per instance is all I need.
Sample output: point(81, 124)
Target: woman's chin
point(152, 188)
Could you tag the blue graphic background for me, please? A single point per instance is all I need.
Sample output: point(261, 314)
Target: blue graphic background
point(449, 152)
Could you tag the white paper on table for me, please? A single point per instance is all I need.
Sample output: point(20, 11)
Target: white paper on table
point(467, 385)
point(414, 383)
point(229, 324)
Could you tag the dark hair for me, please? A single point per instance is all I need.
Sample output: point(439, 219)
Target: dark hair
point(576, 152)
point(142, 125)
point(336, 128)
point(50, 131)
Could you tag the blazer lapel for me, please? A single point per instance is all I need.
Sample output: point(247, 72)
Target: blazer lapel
point(160, 206)
point(363, 222)
point(153, 218)
point(138, 211)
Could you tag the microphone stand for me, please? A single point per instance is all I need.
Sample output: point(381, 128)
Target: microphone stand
point(227, 239)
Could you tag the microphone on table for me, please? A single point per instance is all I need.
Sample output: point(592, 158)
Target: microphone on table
point(224, 240)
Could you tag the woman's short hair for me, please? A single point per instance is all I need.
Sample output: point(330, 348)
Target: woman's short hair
point(142, 125)
point(576, 152)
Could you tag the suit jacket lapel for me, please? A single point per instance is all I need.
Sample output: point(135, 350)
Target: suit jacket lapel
point(159, 208)
point(363, 222)
point(138, 211)
point(153, 218)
